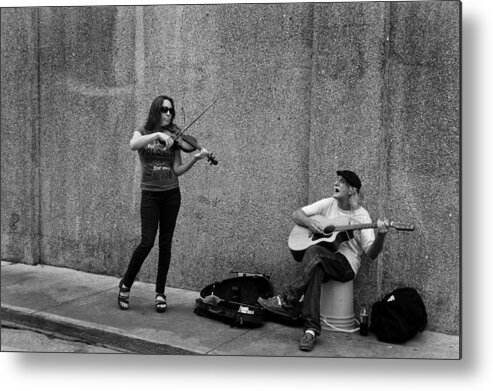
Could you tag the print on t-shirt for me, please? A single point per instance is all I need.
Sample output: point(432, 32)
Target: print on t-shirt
point(157, 162)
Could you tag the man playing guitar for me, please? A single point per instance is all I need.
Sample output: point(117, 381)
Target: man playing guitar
point(319, 263)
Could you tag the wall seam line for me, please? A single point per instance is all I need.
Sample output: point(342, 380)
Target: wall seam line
point(37, 252)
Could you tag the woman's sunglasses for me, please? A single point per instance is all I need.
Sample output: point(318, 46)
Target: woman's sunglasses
point(165, 110)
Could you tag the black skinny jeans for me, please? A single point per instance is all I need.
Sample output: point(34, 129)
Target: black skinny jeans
point(158, 209)
point(318, 265)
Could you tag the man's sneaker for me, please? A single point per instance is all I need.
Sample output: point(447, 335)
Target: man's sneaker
point(307, 342)
point(278, 306)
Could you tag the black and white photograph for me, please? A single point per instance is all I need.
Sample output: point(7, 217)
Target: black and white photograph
point(277, 181)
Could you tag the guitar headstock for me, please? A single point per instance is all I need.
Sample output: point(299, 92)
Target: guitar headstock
point(401, 226)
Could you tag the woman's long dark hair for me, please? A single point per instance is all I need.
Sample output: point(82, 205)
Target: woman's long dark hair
point(154, 118)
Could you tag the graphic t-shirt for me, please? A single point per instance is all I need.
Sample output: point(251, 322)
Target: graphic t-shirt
point(157, 166)
point(361, 240)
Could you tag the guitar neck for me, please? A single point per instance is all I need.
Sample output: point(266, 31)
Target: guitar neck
point(355, 227)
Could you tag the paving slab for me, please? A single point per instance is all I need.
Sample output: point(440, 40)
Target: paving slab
point(281, 341)
point(178, 326)
point(40, 287)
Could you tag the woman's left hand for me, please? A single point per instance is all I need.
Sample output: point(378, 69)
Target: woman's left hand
point(202, 154)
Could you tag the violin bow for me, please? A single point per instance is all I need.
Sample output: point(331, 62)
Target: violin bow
point(195, 120)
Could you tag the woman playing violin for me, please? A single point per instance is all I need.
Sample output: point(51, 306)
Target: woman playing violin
point(162, 164)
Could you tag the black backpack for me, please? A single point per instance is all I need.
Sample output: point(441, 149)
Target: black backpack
point(398, 316)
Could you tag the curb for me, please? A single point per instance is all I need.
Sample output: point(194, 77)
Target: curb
point(87, 332)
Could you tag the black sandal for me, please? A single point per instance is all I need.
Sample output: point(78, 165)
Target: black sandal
point(161, 304)
point(123, 296)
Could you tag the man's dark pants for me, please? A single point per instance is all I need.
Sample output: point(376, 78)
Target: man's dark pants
point(318, 265)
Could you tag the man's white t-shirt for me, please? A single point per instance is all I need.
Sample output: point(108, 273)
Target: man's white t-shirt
point(362, 239)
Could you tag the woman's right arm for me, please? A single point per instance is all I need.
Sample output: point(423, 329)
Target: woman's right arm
point(140, 140)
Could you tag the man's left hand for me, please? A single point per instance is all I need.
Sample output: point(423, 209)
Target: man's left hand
point(382, 226)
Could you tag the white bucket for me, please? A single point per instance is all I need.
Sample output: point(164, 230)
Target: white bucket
point(336, 306)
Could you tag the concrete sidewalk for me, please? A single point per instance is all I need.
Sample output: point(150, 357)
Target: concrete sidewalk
point(84, 305)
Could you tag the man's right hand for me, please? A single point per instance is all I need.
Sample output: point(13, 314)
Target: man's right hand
point(315, 227)
point(300, 218)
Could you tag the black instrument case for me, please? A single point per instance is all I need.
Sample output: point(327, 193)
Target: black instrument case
point(234, 300)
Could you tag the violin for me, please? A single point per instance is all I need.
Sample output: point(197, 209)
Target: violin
point(189, 144)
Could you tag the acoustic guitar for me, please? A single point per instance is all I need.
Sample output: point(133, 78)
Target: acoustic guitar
point(337, 230)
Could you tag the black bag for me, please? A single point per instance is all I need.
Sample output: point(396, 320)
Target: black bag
point(398, 316)
point(234, 300)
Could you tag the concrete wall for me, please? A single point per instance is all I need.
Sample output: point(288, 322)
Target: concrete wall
point(303, 89)
point(20, 138)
